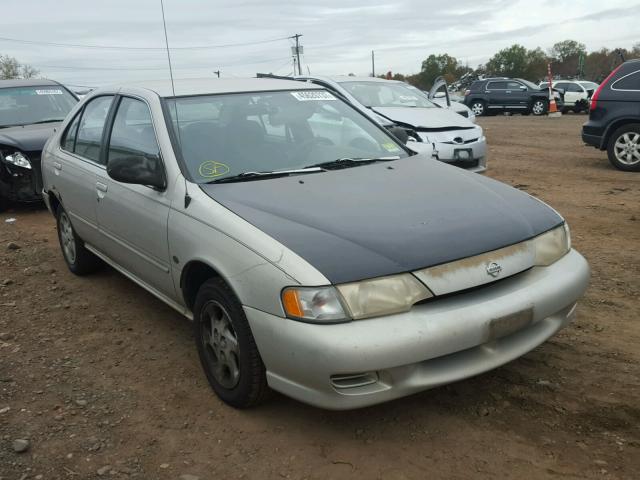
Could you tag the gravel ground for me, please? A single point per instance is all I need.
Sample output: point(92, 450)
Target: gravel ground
point(98, 379)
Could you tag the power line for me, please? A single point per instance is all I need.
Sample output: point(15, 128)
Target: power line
point(115, 47)
point(201, 67)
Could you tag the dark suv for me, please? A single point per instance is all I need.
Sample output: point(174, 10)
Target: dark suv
point(492, 95)
point(614, 117)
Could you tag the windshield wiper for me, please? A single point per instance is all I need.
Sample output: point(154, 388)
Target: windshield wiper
point(49, 120)
point(245, 176)
point(348, 162)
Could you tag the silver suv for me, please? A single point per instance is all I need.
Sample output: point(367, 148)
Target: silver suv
point(315, 254)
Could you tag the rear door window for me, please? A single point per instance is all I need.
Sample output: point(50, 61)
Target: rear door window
point(89, 138)
point(497, 86)
point(69, 139)
point(628, 82)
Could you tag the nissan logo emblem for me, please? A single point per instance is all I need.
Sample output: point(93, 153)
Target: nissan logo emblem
point(494, 269)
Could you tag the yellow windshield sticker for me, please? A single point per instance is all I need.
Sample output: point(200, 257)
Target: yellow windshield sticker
point(211, 169)
point(390, 147)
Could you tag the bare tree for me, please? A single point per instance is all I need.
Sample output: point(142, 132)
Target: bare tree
point(27, 71)
point(10, 68)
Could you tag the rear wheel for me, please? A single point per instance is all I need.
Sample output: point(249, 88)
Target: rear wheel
point(226, 346)
point(624, 148)
point(478, 108)
point(79, 260)
point(539, 107)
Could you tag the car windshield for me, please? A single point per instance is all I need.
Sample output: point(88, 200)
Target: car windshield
point(228, 135)
point(39, 104)
point(387, 94)
point(529, 84)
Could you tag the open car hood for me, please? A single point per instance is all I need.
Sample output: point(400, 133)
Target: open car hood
point(426, 118)
point(371, 221)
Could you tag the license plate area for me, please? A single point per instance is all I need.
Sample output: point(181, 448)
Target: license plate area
point(503, 326)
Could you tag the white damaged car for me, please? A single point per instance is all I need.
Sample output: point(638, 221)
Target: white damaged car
point(456, 140)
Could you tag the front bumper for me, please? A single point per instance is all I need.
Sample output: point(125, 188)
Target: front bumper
point(470, 156)
point(21, 184)
point(365, 362)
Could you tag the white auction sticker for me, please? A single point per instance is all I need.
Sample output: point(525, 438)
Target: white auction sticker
point(312, 95)
point(49, 92)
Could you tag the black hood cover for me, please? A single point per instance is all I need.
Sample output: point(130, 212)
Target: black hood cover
point(28, 138)
point(387, 218)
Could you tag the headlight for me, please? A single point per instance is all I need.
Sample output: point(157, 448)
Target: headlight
point(552, 245)
point(315, 304)
point(18, 159)
point(383, 296)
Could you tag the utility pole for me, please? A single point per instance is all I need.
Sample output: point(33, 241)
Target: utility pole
point(217, 72)
point(296, 51)
point(373, 64)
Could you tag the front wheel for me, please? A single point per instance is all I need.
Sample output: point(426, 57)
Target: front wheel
point(226, 346)
point(79, 260)
point(624, 148)
point(539, 107)
point(478, 108)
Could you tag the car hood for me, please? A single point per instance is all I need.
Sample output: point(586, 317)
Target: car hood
point(28, 138)
point(386, 218)
point(425, 118)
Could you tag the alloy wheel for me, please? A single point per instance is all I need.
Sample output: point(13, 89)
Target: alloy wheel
point(477, 109)
point(538, 107)
point(221, 345)
point(67, 238)
point(627, 148)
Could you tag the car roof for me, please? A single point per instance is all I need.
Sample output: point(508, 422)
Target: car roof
point(30, 82)
point(204, 86)
point(347, 78)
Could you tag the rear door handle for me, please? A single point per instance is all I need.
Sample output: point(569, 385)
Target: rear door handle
point(101, 187)
point(57, 165)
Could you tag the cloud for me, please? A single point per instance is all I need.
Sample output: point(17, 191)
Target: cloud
point(338, 35)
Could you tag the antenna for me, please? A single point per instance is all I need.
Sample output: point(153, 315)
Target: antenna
point(166, 42)
point(187, 197)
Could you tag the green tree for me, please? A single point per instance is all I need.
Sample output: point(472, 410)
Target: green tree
point(566, 57)
point(517, 61)
point(435, 66)
point(566, 49)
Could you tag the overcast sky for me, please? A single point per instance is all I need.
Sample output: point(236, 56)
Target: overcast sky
point(338, 35)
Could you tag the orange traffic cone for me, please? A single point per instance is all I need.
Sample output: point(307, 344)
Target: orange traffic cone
point(553, 108)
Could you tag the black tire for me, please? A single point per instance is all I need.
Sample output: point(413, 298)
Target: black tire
point(617, 155)
point(566, 110)
point(4, 204)
point(543, 103)
point(478, 107)
point(233, 365)
point(82, 261)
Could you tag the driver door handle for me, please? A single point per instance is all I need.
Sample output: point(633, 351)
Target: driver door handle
point(101, 187)
point(57, 165)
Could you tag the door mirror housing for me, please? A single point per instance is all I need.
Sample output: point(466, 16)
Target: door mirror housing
point(138, 169)
point(522, 87)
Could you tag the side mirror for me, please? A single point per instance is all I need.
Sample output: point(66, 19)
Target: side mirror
point(400, 133)
point(559, 90)
point(138, 169)
point(440, 95)
point(522, 87)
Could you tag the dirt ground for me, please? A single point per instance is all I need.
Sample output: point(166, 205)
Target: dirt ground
point(104, 380)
